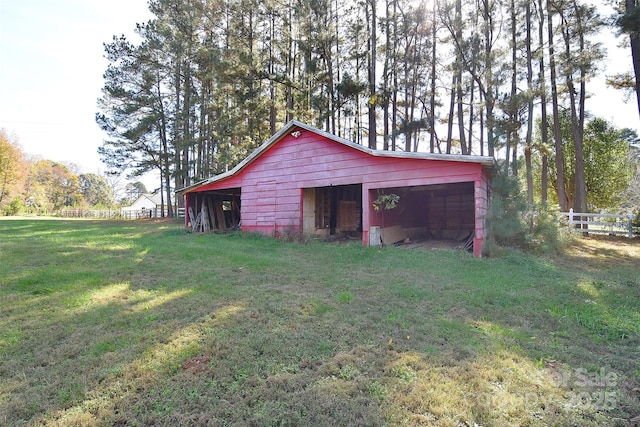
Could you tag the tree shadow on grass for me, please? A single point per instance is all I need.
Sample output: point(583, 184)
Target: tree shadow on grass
point(245, 335)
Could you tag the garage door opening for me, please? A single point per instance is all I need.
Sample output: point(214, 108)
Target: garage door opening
point(443, 213)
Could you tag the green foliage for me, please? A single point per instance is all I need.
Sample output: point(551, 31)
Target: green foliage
point(385, 202)
point(350, 89)
point(96, 190)
point(132, 192)
point(16, 207)
point(635, 222)
point(629, 21)
point(544, 235)
point(513, 223)
point(609, 166)
point(345, 297)
point(505, 222)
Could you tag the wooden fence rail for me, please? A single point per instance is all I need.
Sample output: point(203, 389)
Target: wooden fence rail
point(600, 223)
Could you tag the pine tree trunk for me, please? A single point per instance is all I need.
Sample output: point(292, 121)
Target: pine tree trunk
point(513, 107)
point(581, 183)
point(544, 137)
point(528, 140)
point(372, 77)
point(452, 104)
point(560, 182)
point(634, 42)
point(432, 95)
point(488, 78)
point(458, 79)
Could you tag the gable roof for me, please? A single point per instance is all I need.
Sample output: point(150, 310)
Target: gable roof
point(289, 128)
point(154, 199)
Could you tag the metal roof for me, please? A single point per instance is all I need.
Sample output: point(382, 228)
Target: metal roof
point(485, 161)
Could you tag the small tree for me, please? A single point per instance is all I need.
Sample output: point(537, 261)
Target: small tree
point(505, 222)
point(16, 207)
point(512, 223)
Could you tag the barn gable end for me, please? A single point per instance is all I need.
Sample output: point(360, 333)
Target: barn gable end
point(304, 180)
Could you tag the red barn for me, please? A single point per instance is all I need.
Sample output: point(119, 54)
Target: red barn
point(306, 181)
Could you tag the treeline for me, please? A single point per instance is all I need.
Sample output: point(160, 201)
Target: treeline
point(43, 187)
point(209, 80)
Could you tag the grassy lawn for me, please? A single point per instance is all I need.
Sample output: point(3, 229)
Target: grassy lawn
point(140, 323)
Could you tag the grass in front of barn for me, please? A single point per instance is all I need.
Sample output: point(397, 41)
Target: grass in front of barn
point(141, 323)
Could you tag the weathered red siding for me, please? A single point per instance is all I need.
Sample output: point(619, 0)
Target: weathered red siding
point(271, 197)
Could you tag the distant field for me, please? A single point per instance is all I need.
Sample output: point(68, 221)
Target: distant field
point(140, 323)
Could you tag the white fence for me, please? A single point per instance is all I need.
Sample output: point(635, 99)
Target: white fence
point(142, 213)
point(90, 213)
point(117, 213)
point(600, 223)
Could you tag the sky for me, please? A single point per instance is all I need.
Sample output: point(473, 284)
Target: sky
point(51, 67)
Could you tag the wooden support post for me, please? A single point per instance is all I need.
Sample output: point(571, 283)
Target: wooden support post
point(192, 218)
point(220, 214)
point(235, 215)
point(210, 203)
point(204, 221)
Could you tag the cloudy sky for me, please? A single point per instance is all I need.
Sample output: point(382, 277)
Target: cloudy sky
point(51, 66)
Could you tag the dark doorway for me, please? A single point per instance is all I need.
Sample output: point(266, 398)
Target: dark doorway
point(338, 209)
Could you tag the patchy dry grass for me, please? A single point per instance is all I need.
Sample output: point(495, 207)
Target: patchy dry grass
point(127, 323)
